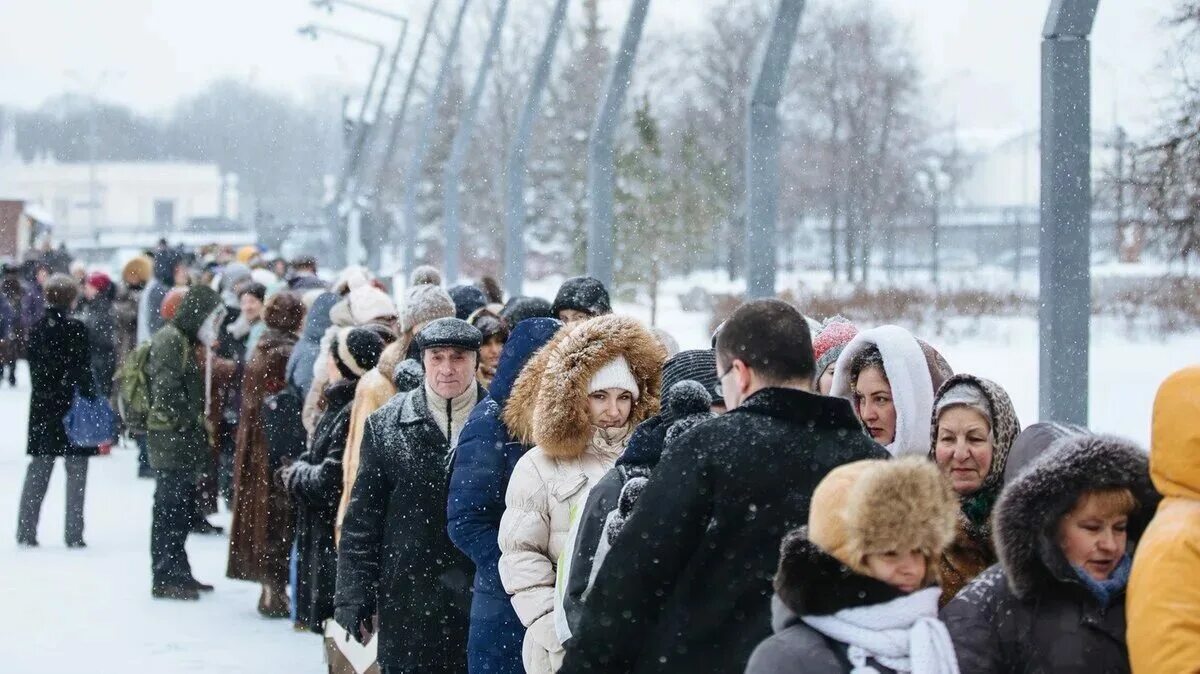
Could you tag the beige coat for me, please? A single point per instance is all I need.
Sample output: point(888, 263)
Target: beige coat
point(548, 408)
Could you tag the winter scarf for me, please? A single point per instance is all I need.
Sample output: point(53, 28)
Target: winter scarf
point(451, 415)
point(610, 442)
point(903, 634)
point(1106, 590)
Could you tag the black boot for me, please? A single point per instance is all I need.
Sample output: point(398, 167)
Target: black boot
point(178, 592)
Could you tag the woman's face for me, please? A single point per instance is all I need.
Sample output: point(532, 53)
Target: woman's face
point(1093, 537)
point(489, 353)
point(825, 382)
point(964, 448)
point(904, 571)
point(609, 408)
point(89, 291)
point(873, 402)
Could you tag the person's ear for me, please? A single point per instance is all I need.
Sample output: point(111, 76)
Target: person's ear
point(742, 375)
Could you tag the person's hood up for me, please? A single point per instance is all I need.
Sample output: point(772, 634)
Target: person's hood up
point(284, 312)
point(1002, 416)
point(1175, 436)
point(1033, 442)
point(317, 321)
point(197, 304)
point(165, 262)
point(908, 373)
point(548, 404)
point(1027, 514)
point(524, 341)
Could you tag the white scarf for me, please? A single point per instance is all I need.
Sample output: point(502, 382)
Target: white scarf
point(903, 634)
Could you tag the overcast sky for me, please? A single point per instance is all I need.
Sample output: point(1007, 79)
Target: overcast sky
point(980, 56)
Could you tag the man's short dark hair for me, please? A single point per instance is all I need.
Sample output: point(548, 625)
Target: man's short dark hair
point(771, 338)
point(61, 290)
point(253, 288)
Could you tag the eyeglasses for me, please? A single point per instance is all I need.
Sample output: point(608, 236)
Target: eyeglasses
point(719, 389)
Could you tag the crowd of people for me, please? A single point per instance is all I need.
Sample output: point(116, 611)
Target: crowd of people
point(489, 484)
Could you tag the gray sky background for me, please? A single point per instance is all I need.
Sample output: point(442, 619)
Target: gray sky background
point(980, 56)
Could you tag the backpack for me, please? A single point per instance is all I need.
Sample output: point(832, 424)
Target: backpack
point(133, 391)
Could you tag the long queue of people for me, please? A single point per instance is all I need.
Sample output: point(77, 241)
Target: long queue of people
point(481, 485)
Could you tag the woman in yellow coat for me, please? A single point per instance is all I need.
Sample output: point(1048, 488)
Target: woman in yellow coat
point(1163, 605)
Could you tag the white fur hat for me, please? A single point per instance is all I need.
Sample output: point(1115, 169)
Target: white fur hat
point(616, 374)
point(368, 303)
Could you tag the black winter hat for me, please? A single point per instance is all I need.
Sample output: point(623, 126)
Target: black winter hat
point(356, 350)
point(467, 300)
point(451, 332)
point(699, 366)
point(520, 308)
point(489, 325)
point(582, 293)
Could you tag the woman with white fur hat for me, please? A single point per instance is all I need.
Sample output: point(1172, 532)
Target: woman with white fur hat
point(856, 589)
point(578, 401)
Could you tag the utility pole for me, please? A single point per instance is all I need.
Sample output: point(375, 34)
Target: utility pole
point(602, 152)
point(514, 193)
point(762, 151)
point(1066, 202)
point(462, 144)
point(416, 164)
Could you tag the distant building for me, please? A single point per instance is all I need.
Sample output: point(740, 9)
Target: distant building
point(134, 202)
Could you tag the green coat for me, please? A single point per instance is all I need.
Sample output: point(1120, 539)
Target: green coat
point(177, 438)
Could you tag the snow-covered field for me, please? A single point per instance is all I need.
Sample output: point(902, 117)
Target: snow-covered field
point(91, 610)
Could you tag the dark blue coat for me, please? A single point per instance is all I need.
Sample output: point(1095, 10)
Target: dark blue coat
point(483, 462)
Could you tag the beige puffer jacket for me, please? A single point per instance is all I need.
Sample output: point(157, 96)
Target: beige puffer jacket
point(548, 408)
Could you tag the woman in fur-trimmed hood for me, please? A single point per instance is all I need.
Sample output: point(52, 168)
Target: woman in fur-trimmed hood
point(856, 590)
point(577, 400)
point(973, 428)
point(1065, 530)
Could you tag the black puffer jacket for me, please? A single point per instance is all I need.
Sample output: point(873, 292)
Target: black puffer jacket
point(315, 484)
point(395, 556)
point(693, 595)
point(1031, 612)
point(59, 364)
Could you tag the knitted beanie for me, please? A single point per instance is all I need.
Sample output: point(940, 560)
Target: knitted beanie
point(368, 303)
point(467, 300)
point(356, 350)
point(582, 293)
point(424, 303)
point(829, 342)
point(99, 281)
point(699, 365)
point(615, 374)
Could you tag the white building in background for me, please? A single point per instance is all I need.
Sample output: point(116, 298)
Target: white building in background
point(135, 202)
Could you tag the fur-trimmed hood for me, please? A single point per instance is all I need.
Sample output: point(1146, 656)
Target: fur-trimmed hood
point(1026, 517)
point(548, 405)
point(913, 369)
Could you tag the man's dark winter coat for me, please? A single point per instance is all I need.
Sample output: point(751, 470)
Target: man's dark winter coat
point(99, 317)
point(315, 485)
point(1031, 612)
point(484, 459)
point(59, 363)
point(156, 291)
point(394, 556)
point(687, 584)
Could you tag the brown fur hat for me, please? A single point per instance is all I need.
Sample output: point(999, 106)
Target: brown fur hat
point(548, 405)
point(284, 311)
point(876, 506)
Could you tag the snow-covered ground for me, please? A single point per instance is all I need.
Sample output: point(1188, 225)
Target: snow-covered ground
point(91, 610)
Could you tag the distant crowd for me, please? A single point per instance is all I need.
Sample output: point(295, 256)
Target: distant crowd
point(469, 482)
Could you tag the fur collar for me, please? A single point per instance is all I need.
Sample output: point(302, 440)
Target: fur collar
point(548, 406)
point(812, 582)
point(1026, 516)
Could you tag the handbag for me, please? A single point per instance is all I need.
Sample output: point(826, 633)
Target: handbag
point(90, 422)
point(283, 424)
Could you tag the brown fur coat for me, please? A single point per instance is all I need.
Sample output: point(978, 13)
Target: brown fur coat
point(548, 406)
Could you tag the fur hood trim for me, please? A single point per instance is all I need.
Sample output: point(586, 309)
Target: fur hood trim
point(908, 373)
point(548, 405)
point(877, 506)
point(810, 581)
point(1026, 517)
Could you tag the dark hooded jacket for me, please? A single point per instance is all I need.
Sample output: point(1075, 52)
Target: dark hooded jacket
point(693, 595)
point(165, 262)
point(1032, 612)
point(484, 460)
point(315, 485)
point(304, 355)
point(394, 557)
point(99, 317)
point(972, 550)
point(59, 364)
point(177, 438)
